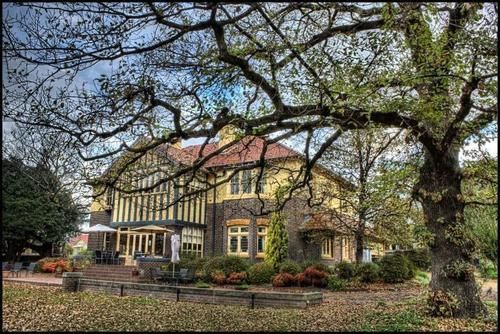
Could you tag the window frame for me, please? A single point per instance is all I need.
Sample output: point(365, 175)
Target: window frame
point(235, 184)
point(264, 236)
point(238, 235)
point(327, 248)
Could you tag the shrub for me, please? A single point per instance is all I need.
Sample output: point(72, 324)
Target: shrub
point(261, 273)
point(226, 264)
point(487, 269)
point(395, 268)
point(52, 265)
point(236, 278)
point(315, 276)
point(202, 285)
point(368, 272)
point(345, 270)
point(218, 277)
point(290, 267)
point(317, 265)
point(420, 257)
point(283, 279)
point(334, 283)
point(301, 279)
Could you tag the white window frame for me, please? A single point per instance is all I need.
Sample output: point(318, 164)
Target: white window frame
point(327, 248)
point(192, 237)
point(238, 234)
point(264, 235)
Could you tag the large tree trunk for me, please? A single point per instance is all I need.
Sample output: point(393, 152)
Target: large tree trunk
point(439, 190)
point(359, 246)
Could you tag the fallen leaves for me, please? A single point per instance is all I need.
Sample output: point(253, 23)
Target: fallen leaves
point(37, 308)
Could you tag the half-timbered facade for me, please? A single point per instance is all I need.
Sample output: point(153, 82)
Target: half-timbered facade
point(226, 219)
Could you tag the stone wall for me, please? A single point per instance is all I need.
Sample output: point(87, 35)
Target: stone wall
point(209, 296)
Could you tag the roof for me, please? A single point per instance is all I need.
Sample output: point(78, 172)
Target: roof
point(81, 237)
point(329, 221)
point(248, 149)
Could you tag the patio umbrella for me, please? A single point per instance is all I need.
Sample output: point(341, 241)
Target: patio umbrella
point(152, 229)
point(99, 228)
point(175, 242)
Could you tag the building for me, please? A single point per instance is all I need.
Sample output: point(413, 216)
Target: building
point(227, 219)
point(79, 243)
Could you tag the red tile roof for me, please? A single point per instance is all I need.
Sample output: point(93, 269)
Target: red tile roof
point(248, 149)
point(84, 237)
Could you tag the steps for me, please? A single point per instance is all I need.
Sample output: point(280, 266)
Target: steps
point(111, 273)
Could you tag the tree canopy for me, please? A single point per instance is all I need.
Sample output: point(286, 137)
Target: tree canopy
point(35, 214)
point(109, 73)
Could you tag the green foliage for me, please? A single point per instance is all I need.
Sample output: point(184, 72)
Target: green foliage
point(226, 264)
point(34, 214)
point(242, 287)
point(422, 277)
point(335, 284)
point(202, 285)
point(420, 257)
point(368, 272)
point(261, 273)
point(487, 269)
point(345, 270)
point(290, 267)
point(277, 240)
point(395, 268)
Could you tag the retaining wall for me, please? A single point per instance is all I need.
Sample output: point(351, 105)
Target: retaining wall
point(200, 295)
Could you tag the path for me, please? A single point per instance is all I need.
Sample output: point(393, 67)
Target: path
point(36, 278)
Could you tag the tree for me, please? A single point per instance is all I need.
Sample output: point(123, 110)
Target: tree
point(481, 193)
point(277, 240)
point(178, 70)
point(33, 217)
point(376, 163)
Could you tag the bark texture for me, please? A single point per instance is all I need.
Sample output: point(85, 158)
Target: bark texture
point(440, 193)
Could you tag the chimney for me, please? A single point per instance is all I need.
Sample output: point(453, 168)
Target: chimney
point(227, 134)
point(177, 143)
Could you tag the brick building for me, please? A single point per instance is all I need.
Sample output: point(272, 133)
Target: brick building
point(232, 217)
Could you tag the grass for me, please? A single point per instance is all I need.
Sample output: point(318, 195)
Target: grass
point(40, 308)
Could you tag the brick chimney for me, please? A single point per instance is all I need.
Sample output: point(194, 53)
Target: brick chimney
point(227, 134)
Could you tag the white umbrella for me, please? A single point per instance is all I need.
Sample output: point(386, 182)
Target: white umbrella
point(152, 229)
point(99, 228)
point(175, 242)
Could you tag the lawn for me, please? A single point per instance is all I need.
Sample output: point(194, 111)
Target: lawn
point(37, 308)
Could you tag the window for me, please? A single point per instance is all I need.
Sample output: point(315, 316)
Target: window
point(192, 241)
point(345, 248)
point(237, 240)
point(246, 181)
point(109, 197)
point(261, 184)
point(235, 184)
point(327, 248)
point(261, 239)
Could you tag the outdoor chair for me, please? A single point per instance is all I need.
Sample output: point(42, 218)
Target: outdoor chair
point(138, 254)
point(156, 274)
point(5, 267)
point(30, 268)
point(16, 269)
point(98, 257)
point(116, 258)
point(186, 275)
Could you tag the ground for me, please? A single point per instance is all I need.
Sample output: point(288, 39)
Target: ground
point(40, 308)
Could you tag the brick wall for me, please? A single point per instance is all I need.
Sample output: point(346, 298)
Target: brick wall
point(96, 239)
